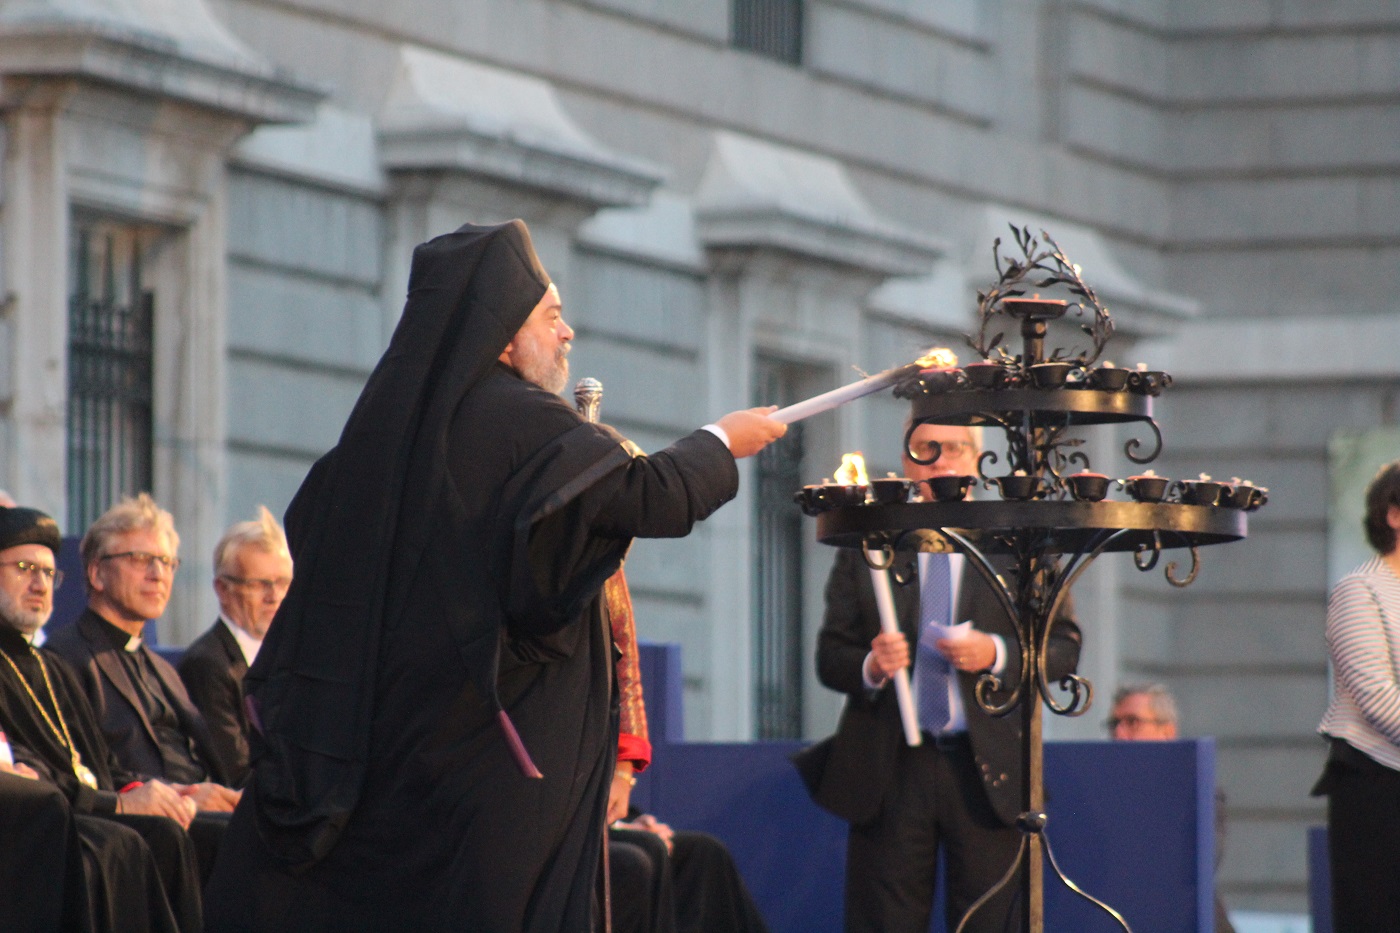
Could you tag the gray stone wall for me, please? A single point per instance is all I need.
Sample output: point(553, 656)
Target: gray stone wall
point(304, 326)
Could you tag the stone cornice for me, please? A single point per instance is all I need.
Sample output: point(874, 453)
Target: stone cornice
point(758, 195)
point(444, 114)
point(154, 64)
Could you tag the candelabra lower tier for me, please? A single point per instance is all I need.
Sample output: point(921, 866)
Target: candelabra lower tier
point(1066, 527)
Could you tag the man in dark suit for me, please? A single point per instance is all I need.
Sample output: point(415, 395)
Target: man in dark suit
point(252, 571)
point(129, 562)
point(959, 792)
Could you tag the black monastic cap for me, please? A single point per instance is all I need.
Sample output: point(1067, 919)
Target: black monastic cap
point(28, 526)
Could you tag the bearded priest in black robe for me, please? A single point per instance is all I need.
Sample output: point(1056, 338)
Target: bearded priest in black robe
point(433, 706)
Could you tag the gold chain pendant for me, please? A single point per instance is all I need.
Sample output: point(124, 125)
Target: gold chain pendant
point(83, 772)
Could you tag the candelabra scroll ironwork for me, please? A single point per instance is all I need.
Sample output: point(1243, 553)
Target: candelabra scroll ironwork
point(1146, 556)
point(886, 552)
point(988, 683)
point(1081, 689)
point(1043, 584)
point(1190, 577)
point(1152, 551)
point(1133, 444)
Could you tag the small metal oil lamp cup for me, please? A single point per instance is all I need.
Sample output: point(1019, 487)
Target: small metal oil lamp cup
point(824, 497)
point(1088, 487)
point(1243, 496)
point(889, 491)
point(1146, 488)
point(1019, 488)
point(1051, 375)
point(949, 488)
point(937, 381)
point(1150, 382)
point(1110, 378)
point(985, 375)
point(1200, 492)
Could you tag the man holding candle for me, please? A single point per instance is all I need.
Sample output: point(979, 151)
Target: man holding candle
point(432, 706)
point(959, 790)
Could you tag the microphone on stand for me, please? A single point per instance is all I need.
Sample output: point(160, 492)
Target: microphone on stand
point(588, 395)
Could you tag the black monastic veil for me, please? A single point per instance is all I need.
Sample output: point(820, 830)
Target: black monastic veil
point(449, 551)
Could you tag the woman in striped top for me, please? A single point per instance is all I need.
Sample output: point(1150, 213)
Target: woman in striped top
point(1362, 777)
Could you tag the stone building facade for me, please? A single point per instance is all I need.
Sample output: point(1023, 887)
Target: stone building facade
point(742, 200)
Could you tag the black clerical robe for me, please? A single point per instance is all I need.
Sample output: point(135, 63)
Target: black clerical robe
point(73, 872)
point(140, 872)
point(41, 866)
point(450, 554)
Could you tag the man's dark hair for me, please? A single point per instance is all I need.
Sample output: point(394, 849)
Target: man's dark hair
point(1383, 493)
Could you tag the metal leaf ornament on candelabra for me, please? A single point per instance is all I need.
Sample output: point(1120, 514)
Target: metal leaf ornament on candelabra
point(1038, 268)
point(1051, 515)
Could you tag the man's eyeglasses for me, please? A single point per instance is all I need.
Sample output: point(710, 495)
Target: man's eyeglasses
point(930, 451)
point(30, 569)
point(1133, 722)
point(276, 587)
point(142, 561)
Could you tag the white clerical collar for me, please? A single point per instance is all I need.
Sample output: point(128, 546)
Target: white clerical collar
point(246, 643)
point(133, 644)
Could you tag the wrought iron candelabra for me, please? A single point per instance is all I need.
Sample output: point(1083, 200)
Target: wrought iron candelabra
point(1047, 523)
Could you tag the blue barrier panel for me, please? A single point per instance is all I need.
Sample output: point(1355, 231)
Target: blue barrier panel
point(790, 852)
point(1319, 880)
point(1132, 823)
point(70, 599)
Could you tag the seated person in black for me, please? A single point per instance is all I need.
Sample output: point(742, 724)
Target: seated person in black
point(116, 861)
point(667, 880)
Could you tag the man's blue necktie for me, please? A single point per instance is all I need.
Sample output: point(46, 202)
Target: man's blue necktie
point(931, 668)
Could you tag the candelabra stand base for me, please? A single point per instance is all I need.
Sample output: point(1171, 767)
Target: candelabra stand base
point(1033, 842)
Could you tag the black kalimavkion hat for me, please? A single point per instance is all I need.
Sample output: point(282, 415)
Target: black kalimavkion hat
point(28, 526)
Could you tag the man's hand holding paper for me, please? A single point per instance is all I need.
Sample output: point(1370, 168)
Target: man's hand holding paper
point(965, 648)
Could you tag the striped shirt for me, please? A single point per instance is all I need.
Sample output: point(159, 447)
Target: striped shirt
point(1363, 640)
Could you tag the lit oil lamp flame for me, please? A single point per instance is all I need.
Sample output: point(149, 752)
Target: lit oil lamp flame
point(852, 470)
point(937, 358)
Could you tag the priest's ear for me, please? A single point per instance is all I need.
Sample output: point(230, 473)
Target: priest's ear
point(93, 569)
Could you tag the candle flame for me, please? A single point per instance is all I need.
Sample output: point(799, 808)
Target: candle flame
point(937, 358)
point(852, 470)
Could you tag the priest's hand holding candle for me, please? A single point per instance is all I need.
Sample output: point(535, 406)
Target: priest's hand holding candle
point(750, 430)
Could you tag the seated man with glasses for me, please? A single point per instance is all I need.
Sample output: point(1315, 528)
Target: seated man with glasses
point(129, 563)
point(252, 571)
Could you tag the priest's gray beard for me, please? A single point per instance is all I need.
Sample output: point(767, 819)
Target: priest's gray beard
point(545, 367)
point(24, 621)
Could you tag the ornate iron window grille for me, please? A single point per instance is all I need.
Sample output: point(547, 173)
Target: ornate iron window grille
point(769, 27)
point(110, 364)
point(777, 582)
